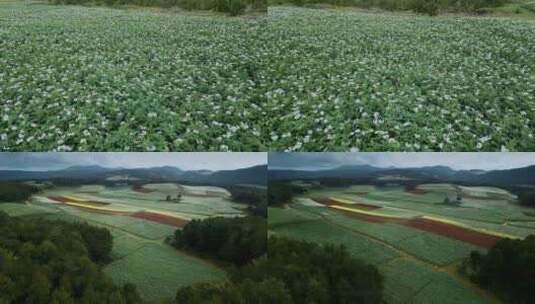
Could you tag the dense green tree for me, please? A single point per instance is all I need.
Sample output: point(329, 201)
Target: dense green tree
point(56, 262)
point(282, 193)
point(507, 269)
point(236, 240)
point(16, 192)
point(527, 198)
point(254, 197)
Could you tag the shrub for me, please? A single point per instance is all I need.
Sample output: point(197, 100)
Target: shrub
point(428, 7)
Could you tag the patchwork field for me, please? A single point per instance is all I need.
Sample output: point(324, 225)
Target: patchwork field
point(415, 239)
point(139, 223)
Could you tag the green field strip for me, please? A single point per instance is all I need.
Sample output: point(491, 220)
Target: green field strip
point(159, 270)
point(436, 249)
point(280, 216)
point(149, 230)
point(20, 209)
point(322, 232)
point(403, 279)
point(445, 289)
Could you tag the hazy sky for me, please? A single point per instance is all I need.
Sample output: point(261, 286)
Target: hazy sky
point(185, 161)
point(460, 161)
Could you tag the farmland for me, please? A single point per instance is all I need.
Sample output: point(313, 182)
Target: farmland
point(102, 79)
point(342, 79)
point(415, 239)
point(139, 222)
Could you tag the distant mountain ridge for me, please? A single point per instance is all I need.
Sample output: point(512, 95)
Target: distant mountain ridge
point(255, 175)
point(524, 175)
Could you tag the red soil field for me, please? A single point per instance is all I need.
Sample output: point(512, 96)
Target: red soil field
point(454, 232)
point(140, 189)
point(160, 218)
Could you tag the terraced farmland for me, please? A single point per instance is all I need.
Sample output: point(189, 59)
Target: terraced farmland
point(415, 239)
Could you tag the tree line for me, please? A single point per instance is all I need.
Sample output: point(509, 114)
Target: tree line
point(44, 262)
point(16, 192)
point(237, 240)
point(429, 7)
point(232, 7)
point(507, 269)
point(253, 197)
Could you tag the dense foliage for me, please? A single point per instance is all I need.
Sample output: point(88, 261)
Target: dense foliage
point(281, 193)
point(56, 262)
point(344, 80)
point(16, 192)
point(431, 7)
point(298, 80)
point(295, 272)
point(254, 197)
point(508, 269)
point(527, 198)
point(237, 240)
point(78, 78)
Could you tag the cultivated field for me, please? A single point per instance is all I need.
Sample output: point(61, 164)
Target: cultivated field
point(414, 237)
point(341, 79)
point(97, 79)
point(139, 219)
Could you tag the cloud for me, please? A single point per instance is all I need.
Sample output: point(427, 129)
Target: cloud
point(186, 160)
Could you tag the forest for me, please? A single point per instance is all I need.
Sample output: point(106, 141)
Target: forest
point(254, 197)
point(16, 192)
point(56, 262)
point(508, 269)
point(236, 240)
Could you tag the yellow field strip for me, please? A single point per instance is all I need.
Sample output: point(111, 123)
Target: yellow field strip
point(365, 212)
